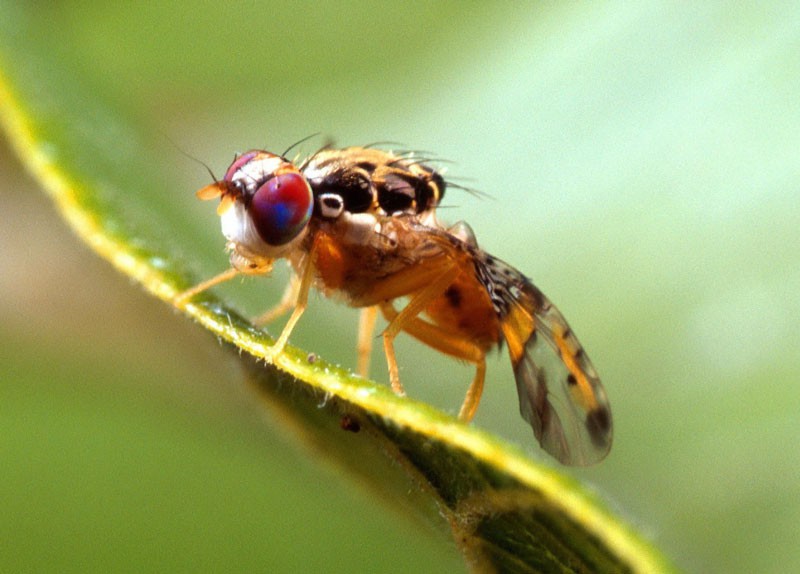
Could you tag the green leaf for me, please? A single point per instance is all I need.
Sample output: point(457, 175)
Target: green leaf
point(505, 512)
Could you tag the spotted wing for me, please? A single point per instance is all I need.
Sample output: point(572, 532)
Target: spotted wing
point(560, 394)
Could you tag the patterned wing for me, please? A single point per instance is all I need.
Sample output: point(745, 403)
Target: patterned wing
point(560, 394)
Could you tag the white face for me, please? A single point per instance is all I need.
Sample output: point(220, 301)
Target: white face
point(238, 229)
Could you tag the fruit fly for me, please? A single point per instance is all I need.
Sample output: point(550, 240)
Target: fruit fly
point(360, 224)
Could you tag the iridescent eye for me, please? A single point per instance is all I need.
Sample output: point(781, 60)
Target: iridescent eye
point(281, 207)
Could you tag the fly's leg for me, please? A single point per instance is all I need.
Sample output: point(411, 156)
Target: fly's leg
point(182, 298)
point(239, 266)
point(449, 344)
point(295, 296)
point(300, 304)
point(473, 397)
point(414, 307)
point(287, 301)
point(366, 326)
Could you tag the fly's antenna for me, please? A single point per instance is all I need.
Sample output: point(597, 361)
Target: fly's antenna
point(186, 154)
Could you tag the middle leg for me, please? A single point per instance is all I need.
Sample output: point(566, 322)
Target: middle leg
point(449, 344)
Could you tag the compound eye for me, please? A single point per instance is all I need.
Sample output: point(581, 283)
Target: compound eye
point(281, 207)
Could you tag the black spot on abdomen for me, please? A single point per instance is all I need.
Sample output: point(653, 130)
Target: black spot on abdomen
point(453, 295)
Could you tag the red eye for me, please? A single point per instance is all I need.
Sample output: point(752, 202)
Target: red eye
point(281, 207)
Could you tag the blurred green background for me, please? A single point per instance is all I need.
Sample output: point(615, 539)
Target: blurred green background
point(643, 164)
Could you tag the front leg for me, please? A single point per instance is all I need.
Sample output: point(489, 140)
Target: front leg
point(288, 301)
point(300, 305)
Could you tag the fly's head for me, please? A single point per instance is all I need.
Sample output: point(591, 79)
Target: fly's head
point(265, 206)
